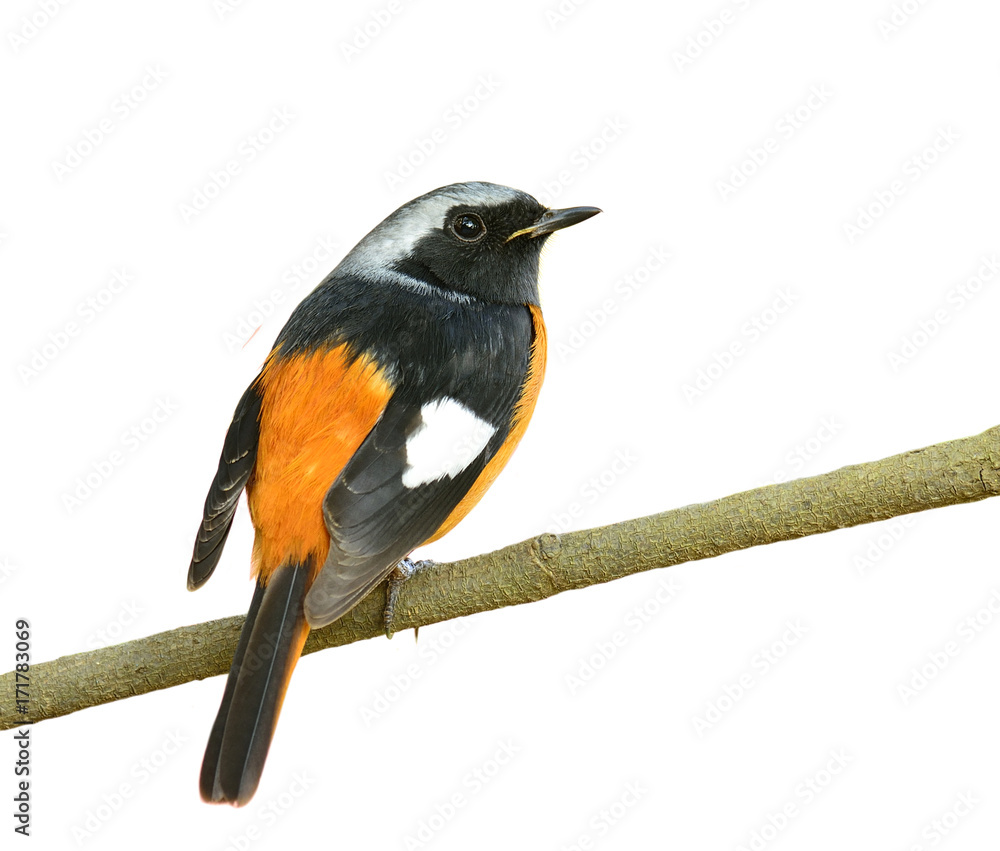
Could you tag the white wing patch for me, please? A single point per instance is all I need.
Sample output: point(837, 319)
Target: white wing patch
point(448, 439)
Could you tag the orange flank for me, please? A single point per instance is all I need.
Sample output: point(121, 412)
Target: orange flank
point(316, 411)
point(519, 424)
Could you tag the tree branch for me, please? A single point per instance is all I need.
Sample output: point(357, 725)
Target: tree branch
point(949, 473)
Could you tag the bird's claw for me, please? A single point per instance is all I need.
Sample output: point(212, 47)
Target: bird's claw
point(400, 574)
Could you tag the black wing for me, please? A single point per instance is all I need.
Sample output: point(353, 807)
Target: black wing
point(374, 516)
point(239, 453)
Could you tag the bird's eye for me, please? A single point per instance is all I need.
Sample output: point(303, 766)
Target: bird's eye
point(468, 227)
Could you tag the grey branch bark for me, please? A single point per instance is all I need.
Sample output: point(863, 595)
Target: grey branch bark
point(949, 473)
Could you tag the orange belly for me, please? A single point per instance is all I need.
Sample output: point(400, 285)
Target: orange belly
point(316, 411)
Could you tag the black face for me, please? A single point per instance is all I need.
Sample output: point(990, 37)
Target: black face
point(473, 253)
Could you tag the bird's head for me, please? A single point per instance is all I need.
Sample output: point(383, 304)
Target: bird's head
point(478, 240)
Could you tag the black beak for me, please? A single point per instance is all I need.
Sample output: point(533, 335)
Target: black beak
point(553, 220)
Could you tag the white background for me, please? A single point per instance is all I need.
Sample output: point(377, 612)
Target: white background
point(617, 761)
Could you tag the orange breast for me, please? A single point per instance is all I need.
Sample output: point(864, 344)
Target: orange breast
point(316, 410)
point(522, 415)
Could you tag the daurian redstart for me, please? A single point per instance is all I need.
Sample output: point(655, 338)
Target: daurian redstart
point(392, 398)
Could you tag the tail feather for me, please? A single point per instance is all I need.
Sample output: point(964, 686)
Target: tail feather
point(269, 646)
point(211, 760)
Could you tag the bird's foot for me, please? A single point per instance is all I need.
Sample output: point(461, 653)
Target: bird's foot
point(400, 574)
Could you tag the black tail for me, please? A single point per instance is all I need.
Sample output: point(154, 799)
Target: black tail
point(269, 647)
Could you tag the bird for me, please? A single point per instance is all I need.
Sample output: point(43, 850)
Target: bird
point(393, 396)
